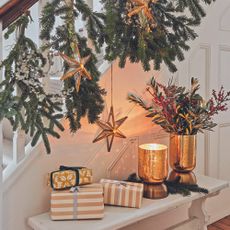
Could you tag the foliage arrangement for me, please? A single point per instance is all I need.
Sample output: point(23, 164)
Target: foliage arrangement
point(86, 100)
point(181, 111)
point(30, 108)
point(174, 186)
point(151, 31)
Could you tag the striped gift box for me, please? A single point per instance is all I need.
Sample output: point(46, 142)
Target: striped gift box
point(122, 193)
point(83, 202)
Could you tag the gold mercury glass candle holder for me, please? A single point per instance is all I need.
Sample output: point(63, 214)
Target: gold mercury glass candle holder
point(153, 163)
point(155, 191)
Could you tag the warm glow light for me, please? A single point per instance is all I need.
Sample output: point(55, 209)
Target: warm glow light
point(153, 147)
point(153, 162)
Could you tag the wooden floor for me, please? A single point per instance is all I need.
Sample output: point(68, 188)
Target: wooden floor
point(223, 224)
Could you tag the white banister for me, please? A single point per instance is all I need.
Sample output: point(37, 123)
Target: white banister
point(19, 136)
point(19, 142)
point(46, 79)
point(1, 138)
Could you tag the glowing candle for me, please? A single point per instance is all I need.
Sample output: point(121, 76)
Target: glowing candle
point(153, 163)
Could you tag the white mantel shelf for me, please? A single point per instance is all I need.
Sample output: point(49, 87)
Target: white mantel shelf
point(118, 217)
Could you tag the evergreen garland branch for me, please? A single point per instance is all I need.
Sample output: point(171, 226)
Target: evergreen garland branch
point(48, 19)
point(89, 100)
point(195, 7)
point(175, 186)
point(127, 37)
point(33, 110)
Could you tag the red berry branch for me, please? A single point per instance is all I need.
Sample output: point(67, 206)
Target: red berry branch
point(182, 111)
point(218, 101)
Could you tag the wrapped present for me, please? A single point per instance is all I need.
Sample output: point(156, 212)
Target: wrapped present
point(68, 177)
point(122, 193)
point(81, 202)
point(85, 174)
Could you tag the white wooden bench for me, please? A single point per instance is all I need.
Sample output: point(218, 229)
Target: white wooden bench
point(118, 217)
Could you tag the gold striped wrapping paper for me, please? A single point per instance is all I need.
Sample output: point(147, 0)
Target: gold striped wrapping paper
point(84, 203)
point(122, 193)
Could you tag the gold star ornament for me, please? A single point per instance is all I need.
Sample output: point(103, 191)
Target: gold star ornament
point(110, 129)
point(76, 68)
point(142, 8)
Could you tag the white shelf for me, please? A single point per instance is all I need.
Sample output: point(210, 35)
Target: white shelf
point(117, 217)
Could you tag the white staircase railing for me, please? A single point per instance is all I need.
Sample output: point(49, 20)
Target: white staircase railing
point(15, 144)
point(1, 142)
point(18, 150)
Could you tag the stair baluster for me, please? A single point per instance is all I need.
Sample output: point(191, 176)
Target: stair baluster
point(1, 138)
point(19, 136)
point(19, 141)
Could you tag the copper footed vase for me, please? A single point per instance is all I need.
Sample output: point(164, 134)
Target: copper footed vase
point(182, 152)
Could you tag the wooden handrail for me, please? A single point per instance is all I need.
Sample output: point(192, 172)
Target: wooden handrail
point(7, 6)
point(14, 9)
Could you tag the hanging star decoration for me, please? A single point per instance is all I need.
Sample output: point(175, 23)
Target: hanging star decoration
point(110, 129)
point(76, 68)
point(142, 8)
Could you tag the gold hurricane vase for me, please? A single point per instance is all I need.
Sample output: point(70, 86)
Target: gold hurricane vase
point(182, 152)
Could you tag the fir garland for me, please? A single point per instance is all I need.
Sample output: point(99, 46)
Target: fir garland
point(89, 100)
point(127, 37)
point(174, 186)
point(31, 109)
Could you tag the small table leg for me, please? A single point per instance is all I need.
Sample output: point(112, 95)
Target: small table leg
point(197, 210)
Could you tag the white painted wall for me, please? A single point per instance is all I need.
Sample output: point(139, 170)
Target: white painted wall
point(209, 61)
point(30, 195)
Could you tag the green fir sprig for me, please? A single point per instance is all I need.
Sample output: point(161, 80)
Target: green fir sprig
point(89, 100)
point(30, 108)
point(176, 187)
point(134, 39)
